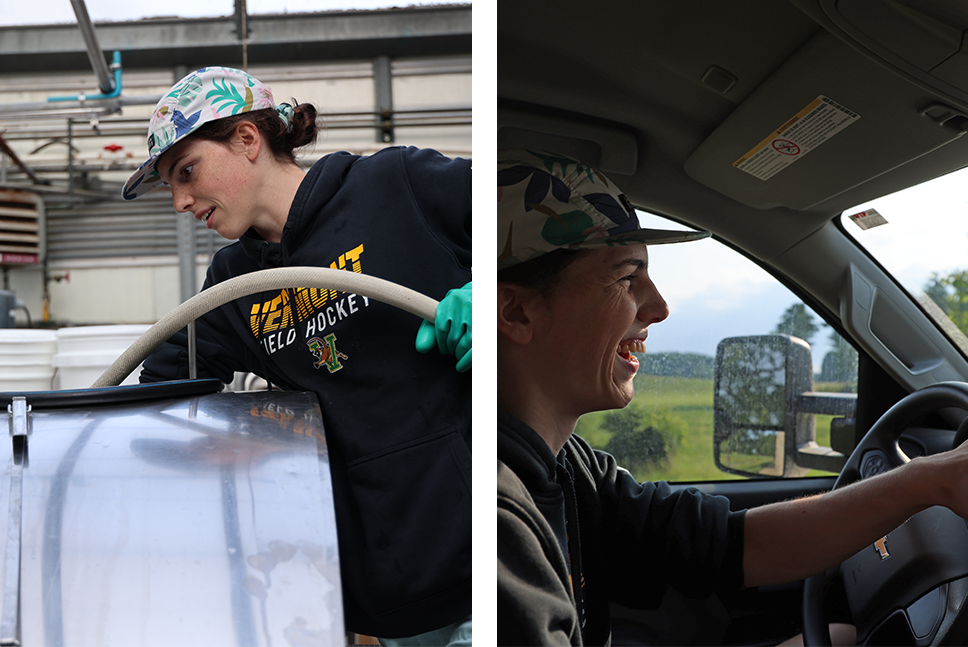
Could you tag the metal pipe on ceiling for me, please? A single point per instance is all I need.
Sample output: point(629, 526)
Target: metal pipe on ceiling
point(45, 110)
point(100, 66)
point(242, 28)
point(78, 106)
point(116, 66)
point(78, 109)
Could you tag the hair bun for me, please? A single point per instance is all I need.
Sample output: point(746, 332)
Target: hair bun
point(303, 130)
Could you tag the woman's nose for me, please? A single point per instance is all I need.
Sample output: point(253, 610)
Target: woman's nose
point(654, 308)
point(181, 200)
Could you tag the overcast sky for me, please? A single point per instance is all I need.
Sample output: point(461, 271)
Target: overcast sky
point(17, 12)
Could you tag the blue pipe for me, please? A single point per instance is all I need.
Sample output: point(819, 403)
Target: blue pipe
point(113, 94)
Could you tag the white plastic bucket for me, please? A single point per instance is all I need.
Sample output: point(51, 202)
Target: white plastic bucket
point(85, 352)
point(25, 359)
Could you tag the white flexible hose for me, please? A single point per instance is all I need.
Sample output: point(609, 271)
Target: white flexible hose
point(274, 279)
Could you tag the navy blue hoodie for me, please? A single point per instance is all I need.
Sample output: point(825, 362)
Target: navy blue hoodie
point(397, 422)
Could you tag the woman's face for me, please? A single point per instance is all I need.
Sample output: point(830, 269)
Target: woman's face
point(210, 180)
point(588, 328)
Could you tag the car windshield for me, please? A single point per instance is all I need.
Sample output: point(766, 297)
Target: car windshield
point(919, 235)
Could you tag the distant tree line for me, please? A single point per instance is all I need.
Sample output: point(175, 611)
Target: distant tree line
point(678, 365)
point(839, 364)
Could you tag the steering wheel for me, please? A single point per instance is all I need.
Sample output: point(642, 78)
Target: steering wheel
point(251, 283)
point(911, 586)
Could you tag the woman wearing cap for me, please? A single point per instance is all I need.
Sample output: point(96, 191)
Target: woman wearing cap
point(575, 531)
point(397, 421)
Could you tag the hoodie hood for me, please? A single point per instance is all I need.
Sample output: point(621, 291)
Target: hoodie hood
point(525, 452)
point(322, 182)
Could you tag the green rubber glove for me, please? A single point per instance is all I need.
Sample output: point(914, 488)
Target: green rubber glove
point(451, 331)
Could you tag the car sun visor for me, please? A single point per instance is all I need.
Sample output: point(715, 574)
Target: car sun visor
point(921, 39)
point(608, 147)
point(827, 120)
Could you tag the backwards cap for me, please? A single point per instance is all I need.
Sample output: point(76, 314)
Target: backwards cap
point(204, 95)
point(548, 202)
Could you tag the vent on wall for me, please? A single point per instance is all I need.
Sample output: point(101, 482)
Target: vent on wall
point(21, 227)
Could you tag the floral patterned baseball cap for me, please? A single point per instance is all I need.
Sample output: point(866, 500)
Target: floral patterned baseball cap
point(547, 201)
point(204, 95)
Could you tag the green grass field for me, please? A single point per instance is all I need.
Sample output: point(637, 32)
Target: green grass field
point(688, 402)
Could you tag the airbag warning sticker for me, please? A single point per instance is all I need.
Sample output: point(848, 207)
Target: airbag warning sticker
point(812, 126)
point(868, 219)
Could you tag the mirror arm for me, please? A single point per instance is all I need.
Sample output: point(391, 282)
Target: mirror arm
point(831, 404)
point(810, 454)
point(817, 457)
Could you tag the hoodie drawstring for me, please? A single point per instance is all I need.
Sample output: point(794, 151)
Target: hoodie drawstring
point(567, 480)
point(284, 247)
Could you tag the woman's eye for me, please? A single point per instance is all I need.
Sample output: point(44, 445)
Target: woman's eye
point(187, 171)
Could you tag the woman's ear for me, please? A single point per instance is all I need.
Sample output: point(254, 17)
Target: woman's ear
point(515, 316)
point(249, 139)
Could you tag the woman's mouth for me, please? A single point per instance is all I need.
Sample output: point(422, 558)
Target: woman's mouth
point(627, 348)
point(206, 215)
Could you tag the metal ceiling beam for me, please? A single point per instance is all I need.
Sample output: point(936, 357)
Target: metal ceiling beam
point(328, 35)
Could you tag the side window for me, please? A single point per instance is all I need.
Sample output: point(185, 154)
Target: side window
point(742, 380)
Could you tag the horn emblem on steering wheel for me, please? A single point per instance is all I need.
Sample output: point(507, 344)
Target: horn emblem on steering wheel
point(881, 547)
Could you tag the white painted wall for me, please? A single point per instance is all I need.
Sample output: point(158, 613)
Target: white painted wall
point(113, 291)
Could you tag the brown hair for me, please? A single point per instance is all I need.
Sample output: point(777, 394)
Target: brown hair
point(282, 141)
point(540, 274)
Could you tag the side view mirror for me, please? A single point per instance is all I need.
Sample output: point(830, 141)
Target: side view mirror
point(765, 410)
